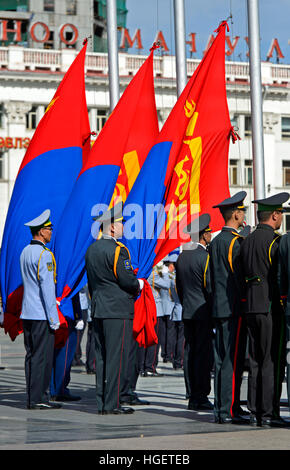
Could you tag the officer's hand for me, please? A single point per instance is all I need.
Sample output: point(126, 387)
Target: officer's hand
point(165, 270)
point(54, 326)
point(141, 283)
point(79, 325)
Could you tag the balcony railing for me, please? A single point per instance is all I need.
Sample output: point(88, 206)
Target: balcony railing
point(20, 59)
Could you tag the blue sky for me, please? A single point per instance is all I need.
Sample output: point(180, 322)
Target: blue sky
point(203, 16)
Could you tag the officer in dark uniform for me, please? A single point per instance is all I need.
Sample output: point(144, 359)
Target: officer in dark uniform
point(113, 287)
point(259, 256)
point(230, 331)
point(284, 286)
point(194, 291)
point(39, 312)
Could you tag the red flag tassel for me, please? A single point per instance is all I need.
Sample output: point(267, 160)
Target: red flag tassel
point(235, 136)
point(145, 318)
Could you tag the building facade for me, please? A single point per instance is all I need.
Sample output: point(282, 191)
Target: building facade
point(30, 74)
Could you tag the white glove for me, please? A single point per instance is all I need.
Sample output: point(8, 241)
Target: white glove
point(141, 283)
point(80, 325)
point(54, 326)
point(165, 270)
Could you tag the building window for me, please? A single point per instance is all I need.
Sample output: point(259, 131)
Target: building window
point(2, 169)
point(285, 127)
point(286, 172)
point(233, 172)
point(248, 125)
point(49, 44)
point(286, 221)
point(101, 119)
point(48, 5)
point(31, 119)
point(71, 7)
point(248, 172)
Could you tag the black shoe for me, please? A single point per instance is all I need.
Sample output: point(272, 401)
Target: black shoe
point(135, 401)
point(91, 371)
point(275, 423)
point(67, 397)
point(224, 420)
point(149, 373)
point(240, 420)
point(253, 421)
point(119, 411)
point(44, 406)
point(195, 405)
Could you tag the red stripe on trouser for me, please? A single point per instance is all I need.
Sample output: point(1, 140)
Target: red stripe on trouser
point(120, 367)
point(235, 364)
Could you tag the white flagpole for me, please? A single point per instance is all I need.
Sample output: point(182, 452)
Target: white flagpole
point(113, 59)
point(180, 52)
point(256, 99)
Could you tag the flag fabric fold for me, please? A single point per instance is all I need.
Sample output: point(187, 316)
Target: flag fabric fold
point(108, 175)
point(49, 169)
point(186, 171)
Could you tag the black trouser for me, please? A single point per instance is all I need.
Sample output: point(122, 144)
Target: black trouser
point(261, 365)
point(229, 357)
point(113, 342)
point(266, 362)
point(90, 348)
point(178, 344)
point(127, 392)
point(39, 346)
point(166, 337)
point(288, 357)
point(148, 357)
point(197, 359)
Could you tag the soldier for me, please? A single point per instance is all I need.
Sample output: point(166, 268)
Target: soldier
point(193, 288)
point(113, 287)
point(230, 331)
point(259, 256)
point(284, 286)
point(39, 312)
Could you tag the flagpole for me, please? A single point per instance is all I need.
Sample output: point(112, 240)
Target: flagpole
point(113, 59)
point(180, 52)
point(256, 99)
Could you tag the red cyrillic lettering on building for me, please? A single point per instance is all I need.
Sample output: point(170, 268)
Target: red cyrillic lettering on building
point(26, 142)
point(160, 39)
point(16, 31)
point(45, 29)
point(75, 34)
point(8, 142)
point(126, 40)
point(275, 46)
point(192, 42)
point(230, 45)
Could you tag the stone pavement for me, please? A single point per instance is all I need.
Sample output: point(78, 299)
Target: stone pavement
point(165, 424)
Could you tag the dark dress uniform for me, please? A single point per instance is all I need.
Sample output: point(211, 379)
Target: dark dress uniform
point(259, 255)
point(194, 291)
point(284, 286)
point(113, 287)
point(230, 330)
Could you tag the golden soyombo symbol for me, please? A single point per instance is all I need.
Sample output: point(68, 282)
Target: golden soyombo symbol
point(187, 171)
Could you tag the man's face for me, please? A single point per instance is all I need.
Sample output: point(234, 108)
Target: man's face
point(207, 237)
point(118, 229)
point(278, 218)
point(46, 233)
point(241, 214)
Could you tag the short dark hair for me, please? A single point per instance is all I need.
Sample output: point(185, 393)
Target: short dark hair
point(227, 213)
point(263, 216)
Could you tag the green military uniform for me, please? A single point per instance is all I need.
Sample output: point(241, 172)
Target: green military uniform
point(259, 257)
point(194, 291)
point(113, 287)
point(230, 332)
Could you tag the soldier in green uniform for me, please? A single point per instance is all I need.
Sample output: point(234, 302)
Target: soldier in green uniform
point(230, 332)
point(194, 291)
point(113, 288)
point(259, 258)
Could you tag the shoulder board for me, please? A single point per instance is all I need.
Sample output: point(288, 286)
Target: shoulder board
point(278, 236)
point(230, 253)
point(53, 261)
point(236, 234)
